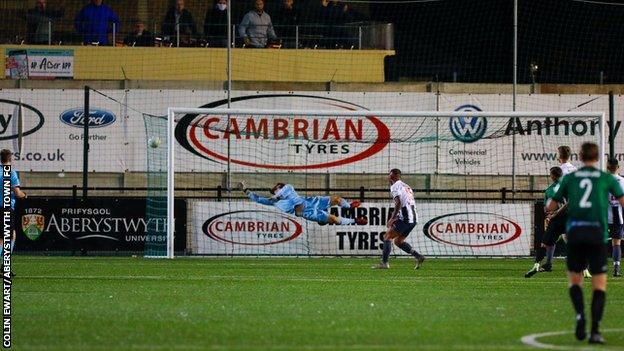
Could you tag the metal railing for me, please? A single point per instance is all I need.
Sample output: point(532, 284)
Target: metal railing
point(360, 35)
point(221, 193)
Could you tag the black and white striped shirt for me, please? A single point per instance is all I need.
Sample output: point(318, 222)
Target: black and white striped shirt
point(408, 205)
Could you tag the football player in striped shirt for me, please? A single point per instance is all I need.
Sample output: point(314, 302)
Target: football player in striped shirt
point(402, 221)
point(615, 219)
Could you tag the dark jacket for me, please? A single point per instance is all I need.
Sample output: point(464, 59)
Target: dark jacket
point(285, 22)
point(215, 24)
point(145, 39)
point(187, 25)
point(37, 24)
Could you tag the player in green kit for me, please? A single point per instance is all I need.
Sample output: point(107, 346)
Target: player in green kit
point(587, 191)
point(554, 227)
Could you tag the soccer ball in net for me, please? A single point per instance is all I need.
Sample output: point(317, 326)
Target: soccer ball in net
point(153, 142)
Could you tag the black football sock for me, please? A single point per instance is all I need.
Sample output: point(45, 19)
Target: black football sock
point(540, 254)
point(576, 294)
point(617, 254)
point(598, 303)
point(387, 247)
point(408, 249)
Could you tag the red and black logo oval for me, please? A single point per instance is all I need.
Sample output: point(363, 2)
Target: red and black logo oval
point(207, 136)
point(255, 228)
point(472, 229)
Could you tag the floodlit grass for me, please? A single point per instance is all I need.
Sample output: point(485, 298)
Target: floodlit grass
point(292, 304)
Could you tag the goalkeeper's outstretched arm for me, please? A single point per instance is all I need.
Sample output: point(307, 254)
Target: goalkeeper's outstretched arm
point(255, 198)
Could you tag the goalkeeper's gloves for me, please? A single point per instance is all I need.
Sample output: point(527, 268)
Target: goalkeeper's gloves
point(242, 187)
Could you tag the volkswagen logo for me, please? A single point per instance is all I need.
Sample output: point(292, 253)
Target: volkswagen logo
point(468, 129)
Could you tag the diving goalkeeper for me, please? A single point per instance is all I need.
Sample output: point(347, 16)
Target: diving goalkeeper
point(315, 208)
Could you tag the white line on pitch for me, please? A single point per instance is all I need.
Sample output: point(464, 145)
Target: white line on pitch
point(265, 347)
point(406, 279)
point(105, 277)
point(531, 340)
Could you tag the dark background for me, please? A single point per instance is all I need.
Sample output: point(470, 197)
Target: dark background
point(52, 242)
point(571, 41)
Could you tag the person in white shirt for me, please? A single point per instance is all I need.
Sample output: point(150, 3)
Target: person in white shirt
point(402, 221)
point(615, 219)
point(563, 156)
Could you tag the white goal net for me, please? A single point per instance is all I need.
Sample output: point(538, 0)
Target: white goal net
point(475, 177)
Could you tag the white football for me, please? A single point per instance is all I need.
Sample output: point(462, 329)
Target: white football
point(153, 142)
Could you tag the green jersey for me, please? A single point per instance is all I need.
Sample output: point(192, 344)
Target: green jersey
point(550, 192)
point(587, 191)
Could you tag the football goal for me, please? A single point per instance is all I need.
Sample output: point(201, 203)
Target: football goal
point(475, 176)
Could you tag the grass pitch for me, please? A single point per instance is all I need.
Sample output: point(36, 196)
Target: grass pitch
point(293, 304)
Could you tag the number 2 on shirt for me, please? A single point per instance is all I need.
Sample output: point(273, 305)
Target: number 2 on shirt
point(587, 185)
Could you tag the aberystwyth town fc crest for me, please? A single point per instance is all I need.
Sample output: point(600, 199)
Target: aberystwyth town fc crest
point(33, 225)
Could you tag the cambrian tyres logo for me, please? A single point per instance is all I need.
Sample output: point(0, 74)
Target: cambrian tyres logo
point(472, 229)
point(468, 129)
point(295, 142)
point(255, 228)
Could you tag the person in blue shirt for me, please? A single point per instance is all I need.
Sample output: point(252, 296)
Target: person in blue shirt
point(315, 208)
point(93, 22)
point(6, 159)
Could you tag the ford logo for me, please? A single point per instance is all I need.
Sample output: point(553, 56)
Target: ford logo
point(472, 229)
point(256, 228)
point(97, 117)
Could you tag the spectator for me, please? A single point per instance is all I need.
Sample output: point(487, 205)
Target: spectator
point(349, 14)
point(38, 22)
point(140, 36)
point(339, 11)
point(342, 16)
point(92, 22)
point(331, 18)
point(256, 28)
point(178, 15)
point(327, 18)
point(215, 24)
point(325, 13)
point(288, 18)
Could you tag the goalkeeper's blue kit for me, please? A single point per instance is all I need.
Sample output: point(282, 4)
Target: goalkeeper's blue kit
point(315, 209)
point(286, 199)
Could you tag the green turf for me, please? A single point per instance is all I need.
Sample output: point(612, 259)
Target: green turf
point(291, 304)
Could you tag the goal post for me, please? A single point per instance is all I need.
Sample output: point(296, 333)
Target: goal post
point(461, 155)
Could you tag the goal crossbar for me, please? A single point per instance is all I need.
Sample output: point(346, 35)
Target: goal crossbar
point(172, 111)
point(347, 113)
